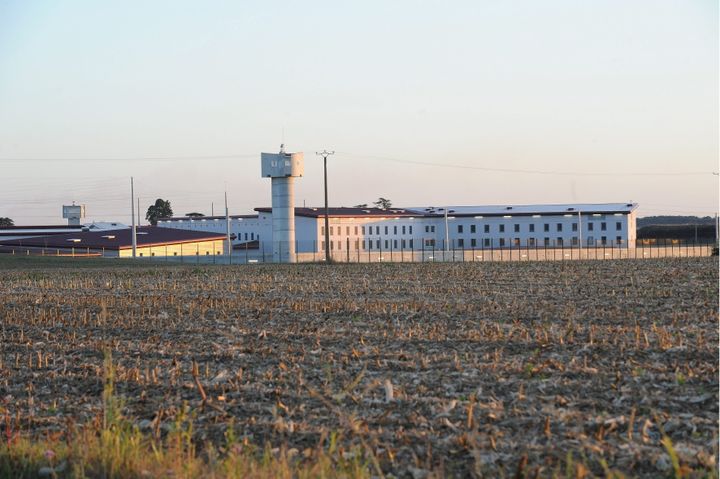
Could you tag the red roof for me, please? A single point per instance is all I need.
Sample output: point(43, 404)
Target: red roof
point(117, 239)
point(341, 212)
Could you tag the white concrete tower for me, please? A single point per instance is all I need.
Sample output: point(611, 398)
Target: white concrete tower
point(283, 168)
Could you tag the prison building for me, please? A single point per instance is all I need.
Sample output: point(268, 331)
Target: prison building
point(510, 226)
point(151, 241)
point(452, 227)
point(245, 230)
point(8, 233)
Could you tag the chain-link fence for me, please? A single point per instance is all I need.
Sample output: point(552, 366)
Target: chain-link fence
point(343, 252)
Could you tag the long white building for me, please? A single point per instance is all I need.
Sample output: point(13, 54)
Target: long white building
point(451, 227)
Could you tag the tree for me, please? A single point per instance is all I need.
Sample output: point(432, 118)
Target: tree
point(383, 203)
point(6, 221)
point(161, 209)
point(194, 215)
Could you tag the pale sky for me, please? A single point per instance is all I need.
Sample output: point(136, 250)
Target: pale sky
point(619, 96)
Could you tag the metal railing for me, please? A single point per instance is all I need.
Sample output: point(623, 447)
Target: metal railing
point(345, 252)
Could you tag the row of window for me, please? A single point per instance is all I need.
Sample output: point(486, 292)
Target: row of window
point(337, 230)
point(380, 244)
point(531, 227)
point(531, 242)
point(408, 230)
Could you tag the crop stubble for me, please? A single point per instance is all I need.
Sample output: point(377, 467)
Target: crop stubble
point(452, 368)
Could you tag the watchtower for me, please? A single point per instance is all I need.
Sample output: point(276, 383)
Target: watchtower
point(282, 168)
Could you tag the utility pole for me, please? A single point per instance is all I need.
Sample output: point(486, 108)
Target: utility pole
point(227, 227)
point(325, 155)
point(580, 232)
point(132, 213)
point(138, 210)
point(447, 229)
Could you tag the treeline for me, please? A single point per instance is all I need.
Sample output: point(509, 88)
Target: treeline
point(675, 220)
point(685, 232)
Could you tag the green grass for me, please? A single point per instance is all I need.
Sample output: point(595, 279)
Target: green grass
point(113, 447)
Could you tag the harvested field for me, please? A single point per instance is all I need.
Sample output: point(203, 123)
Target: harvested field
point(571, 369)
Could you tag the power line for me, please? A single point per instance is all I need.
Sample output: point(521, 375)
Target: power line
point(138, 158)
point(370, 157)
point(523, 171)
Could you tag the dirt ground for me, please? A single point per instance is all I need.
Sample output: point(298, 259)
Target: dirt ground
point(457, 369)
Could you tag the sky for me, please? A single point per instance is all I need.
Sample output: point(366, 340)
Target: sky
point(424, 102)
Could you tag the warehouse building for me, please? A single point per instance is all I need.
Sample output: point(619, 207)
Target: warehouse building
point(151, 241)
point(453, 227)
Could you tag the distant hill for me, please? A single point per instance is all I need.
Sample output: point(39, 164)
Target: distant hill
point(674, 220)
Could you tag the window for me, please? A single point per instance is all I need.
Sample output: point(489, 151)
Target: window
point(387, 243)
point(432, 229)
point(546, 227)
point(395, 244)
point(531, 227)
point(410, 230)
point(331, 231)
point(402, 245)
point(531, 241)
point(403, 229)
point(502, 241)
point(332, 245)
point(516, 228)
point(501, 228)
point(427, 228)
point(591, 226)
point(603, 226)
point(430, 242)
point(461, 243)
point(411, 242)
point(386, 231)
point(472, 228)
point(322, 230)
point(356, 231)
point(618, 239)
point(486, 242)
point(574, 226)
point(559, 226)
point(618, 226)
point(357, 244)
point(394, 230)
point(603, 240)
point(559, 241)
point(574, 240)
point(486, 228)
point(252, 236)
point(546, 241)
point(460, 228)
point(363, 230)
point(377, 244)
point(473, 242)
point(516, 241)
